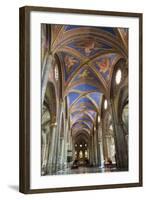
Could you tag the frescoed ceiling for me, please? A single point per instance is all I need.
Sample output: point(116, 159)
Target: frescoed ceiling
point(87, 56)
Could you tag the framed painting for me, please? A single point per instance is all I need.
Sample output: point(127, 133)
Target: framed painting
point(80, 99)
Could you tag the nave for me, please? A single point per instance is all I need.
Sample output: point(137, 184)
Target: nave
point(84, 99)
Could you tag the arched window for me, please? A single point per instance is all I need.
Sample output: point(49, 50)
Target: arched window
point(80, 154)
point(75, 154)
point(105, 104)
point(86, 154)
point(98, 119)
point(56, 73)
point(118, 76)
point(111, 127)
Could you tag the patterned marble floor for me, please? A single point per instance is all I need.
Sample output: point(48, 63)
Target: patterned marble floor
point(82, 170)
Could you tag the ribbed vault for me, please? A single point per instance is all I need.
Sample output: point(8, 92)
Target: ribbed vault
point(86, 56)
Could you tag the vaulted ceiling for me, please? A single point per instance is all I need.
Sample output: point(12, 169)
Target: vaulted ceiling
point(87, 56)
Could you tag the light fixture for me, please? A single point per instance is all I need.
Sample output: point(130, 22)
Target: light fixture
point(76, 145)
point(80, 145)
point(85, 145)
point(105, 104)
point(118, 76)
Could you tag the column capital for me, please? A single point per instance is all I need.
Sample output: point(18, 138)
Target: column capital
point(99, 141)
point(53, 124)
point(107, 136)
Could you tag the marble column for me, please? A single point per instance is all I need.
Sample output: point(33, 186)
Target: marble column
point(51, 148)
point(105, 149)
point(100, 154)
point(59, 141)
point(70, 148)
point(89, 147)
point(112, 149)
point(45, 148)
point(120, 141)
point(62, 155)
point(102, 135)
point(60, 137)
point(55, 153)
point(43, 153)
point(91, 150)
point(108, 145)
point(64, 147)
point(95, 147)
point(100, 146)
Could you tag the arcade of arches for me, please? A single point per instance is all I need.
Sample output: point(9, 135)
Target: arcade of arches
point(84, 99)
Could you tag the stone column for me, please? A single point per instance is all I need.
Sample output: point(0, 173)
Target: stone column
point(45, 139)
point(62, 155)
point(110, 147)
point(91, 150)
point(59, 140)
point(64, 148)
point(73, 150)
point(100, 154)
point(95, 147)
point(70, 148)
point(120, 142)
point(51, 148)
point(107, 140)
point(44, 151)
point(55, 153)
point(100, 147)
point(105, 150)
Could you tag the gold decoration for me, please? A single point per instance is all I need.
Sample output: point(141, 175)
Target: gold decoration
point(70, 61)
point(84, 74)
